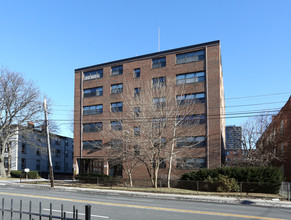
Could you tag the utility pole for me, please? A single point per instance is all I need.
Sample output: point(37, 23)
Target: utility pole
point(48, 145)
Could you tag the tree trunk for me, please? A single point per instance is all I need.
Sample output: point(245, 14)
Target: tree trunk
point(170, 170)
point(171, 160)
point(9, 161)
point(2, 168)
point(156, 171)
point(130, 179)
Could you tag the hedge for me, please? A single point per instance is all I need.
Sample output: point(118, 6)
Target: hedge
point(91, 178)
point(255, 179)
point(21, 174)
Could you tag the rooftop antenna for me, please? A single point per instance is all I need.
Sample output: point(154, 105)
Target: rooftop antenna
point(159, 39)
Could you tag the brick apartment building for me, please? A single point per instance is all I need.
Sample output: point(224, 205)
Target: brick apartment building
point(99, 94)
point(277, 139)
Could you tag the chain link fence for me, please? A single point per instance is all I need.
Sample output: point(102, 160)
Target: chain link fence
point(207, 186)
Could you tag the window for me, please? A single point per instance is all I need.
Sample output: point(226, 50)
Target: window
point(6, 162)
point(190, 57)
point(190, 78)
point(159, 122)
point(116, 70)
point(282, 148)
point(66, 153)
point(160, 142)
point(57, 166)
point(136, 112)
point(93, 109)
point(116, 143)
point(136, 131)
point(191, 163)
point(137, 73)
point(189, 99)
point(57, 153)
point(191, 141)
point(66, 166)
point(190, 120)
point(159, 102)
point(66, 142)
point(117, 88)
point(6, 149)
point(23, 148)
point(98, 91)
point(37, 164)
point(162, 163)
point(38, 153)
point(116, 107)
point(96, 74)
point(92, 145)
point(282, 127)
point(23, 163)
point(136, 92)
point(116, 125)
point(159, 82)
point(159, 62)
point(57, 142)
point(136, 150)
point(93, 127)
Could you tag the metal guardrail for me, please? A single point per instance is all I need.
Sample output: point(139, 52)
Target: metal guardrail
point(11, 213)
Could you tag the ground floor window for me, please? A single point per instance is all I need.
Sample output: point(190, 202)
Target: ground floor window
point(115, 167)
point(90, 166)
point(190, 163)
point(23, 163)
point(6, 162)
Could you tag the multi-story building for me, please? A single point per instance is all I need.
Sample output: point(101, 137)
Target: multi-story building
point(277, 139)
point(28, 149)
point(99, 96)
point(233, 135)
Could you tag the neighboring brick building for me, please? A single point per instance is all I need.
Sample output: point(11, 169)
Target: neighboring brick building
point(97, 97)
point(277, 139)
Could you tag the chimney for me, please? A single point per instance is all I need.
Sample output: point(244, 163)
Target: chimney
point(30, 124)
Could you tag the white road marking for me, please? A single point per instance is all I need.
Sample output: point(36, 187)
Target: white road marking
point(96, 216)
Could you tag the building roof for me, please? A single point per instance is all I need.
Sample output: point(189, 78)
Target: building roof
point(146, 56)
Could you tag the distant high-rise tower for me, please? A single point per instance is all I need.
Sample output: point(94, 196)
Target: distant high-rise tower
point(233, 135)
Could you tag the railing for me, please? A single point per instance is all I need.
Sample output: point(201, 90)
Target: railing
point(12, 213)
point(199, 186)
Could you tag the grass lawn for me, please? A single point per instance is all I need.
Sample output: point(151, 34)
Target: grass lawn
point(164, 190)
point(173, 191)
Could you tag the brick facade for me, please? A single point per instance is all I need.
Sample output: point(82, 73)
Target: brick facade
point(212, 86)
point(277, 139)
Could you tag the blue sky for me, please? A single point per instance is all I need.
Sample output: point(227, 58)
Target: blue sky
point(47, 40)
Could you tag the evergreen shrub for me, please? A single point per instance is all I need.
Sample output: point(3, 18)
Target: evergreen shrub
point(253, 179)
point(22, 174)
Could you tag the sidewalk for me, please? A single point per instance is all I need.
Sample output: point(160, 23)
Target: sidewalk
point(197, 198)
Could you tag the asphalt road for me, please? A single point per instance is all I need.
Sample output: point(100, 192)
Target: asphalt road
point(127, 208)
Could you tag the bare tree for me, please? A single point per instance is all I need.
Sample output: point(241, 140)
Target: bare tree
point(126, 155)
point(154, 118)
point(20, 102)
point(256, 151)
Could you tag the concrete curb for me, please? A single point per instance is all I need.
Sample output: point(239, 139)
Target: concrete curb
point(195, 198)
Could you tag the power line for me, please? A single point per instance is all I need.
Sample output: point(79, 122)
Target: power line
point(232, 106)
point(147, 119)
